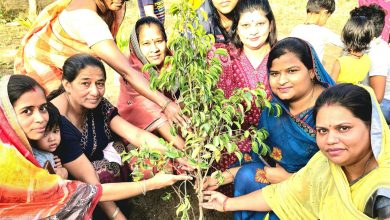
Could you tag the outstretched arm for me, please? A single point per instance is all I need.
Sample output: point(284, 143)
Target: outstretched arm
point(108, 51)
point(336, 70)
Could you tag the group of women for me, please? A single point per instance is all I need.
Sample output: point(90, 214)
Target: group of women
point(295, 180)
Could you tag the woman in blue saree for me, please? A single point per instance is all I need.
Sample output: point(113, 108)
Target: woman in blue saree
point(296, 79)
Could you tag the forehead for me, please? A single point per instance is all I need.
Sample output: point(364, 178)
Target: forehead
point(253, 15)
point(286, 60)
point(334, 114)
point(34, 97)
point(90, 72)
point(149, 31)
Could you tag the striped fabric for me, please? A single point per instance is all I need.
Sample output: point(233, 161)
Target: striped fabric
point(46, 46)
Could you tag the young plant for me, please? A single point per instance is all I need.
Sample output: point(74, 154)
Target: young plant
point(214, 125)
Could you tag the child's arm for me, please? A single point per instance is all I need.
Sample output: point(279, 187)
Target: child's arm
point(336, 70)
point(60, 171)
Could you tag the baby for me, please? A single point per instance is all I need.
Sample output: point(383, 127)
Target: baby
point(43, 149)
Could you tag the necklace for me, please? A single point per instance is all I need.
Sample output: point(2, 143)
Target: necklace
point(363, 173)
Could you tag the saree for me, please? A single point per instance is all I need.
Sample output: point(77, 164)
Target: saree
point(327, 194)
point(26, 190)
point(291, 140)
point(238, 73)
point(46, 46)
point(92, 141)
point(132, 106)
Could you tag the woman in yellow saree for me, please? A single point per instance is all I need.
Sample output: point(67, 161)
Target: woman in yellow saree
point(348, 179)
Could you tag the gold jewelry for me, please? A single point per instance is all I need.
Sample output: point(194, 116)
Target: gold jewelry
point(115, 213)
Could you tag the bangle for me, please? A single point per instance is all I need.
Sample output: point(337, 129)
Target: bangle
point(115, 213)
point(143, 189)
point(224, 204)
point(166, 105)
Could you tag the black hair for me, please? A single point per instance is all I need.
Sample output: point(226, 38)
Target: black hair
point(250, 6)
point(375, 13)
point(54, 117)
point(357, 34)
point(148, 20)
point(72, 67)
point(20, 84)
point(215, 19)
point(315, 6)
point(294, 45)
point(352, 97)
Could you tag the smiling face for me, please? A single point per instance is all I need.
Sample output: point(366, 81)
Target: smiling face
point(114, 5)
point(253, 29)
point(31, 112)
point(152, 44)
point(289, 78)
point(88, 88)
point(343, 138)
point(50, 141)
point(224, 6)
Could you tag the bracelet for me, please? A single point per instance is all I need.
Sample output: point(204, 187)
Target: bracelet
point(143, 189)
point(166, 105)
point(224, 204)
point(115, 213)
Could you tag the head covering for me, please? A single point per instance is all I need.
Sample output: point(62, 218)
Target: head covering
point(321, 190)
point(26, 190)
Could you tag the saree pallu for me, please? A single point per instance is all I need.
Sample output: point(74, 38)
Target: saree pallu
point(310, 194)
point(132, 106)
point(46, 46)
point(26, 190)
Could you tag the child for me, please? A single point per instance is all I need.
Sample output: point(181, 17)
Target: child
point(353, 67)
point(44, 148)
point(154, 8)
point(379, 53)
point(313, 30)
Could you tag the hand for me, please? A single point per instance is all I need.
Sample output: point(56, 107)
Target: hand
point(276, 174)
point(62, 172)
point(184, 165)
point(209, 184)
point(174, 115)
point(57, 162)
point(161, 179)
point(214, 200)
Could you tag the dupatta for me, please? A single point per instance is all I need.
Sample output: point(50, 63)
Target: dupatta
point(321, 190)
point(26, 190)
point(292, 138)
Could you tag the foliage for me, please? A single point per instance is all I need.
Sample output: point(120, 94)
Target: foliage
point(214, 125)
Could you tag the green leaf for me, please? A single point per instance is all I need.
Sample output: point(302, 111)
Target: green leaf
point(238, 155)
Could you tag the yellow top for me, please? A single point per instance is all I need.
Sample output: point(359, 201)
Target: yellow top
point(353, 69)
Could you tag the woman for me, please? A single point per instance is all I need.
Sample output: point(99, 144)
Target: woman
point(254, 33)
point(296, 78)
point(220, 18)
point(89, 123)
point(147, 45)
point(59, 33)
point(26, 190)
point(348, 179)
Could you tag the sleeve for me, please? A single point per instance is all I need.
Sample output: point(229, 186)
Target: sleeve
point(379, 62)
point(69, 148)
point(333, 38)
point(109, 110)
point(90, 29)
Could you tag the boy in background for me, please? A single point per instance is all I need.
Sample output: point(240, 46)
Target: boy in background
point(43, 149)
point(313, 30)
point(154, 8)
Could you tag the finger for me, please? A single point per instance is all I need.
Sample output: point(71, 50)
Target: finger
point(206, 198)
point(207, 205)
point(277, 165)
point(181, 121)
point(183, 177)
point(208, 192)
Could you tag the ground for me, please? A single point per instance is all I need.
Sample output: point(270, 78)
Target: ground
point(288, 13)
